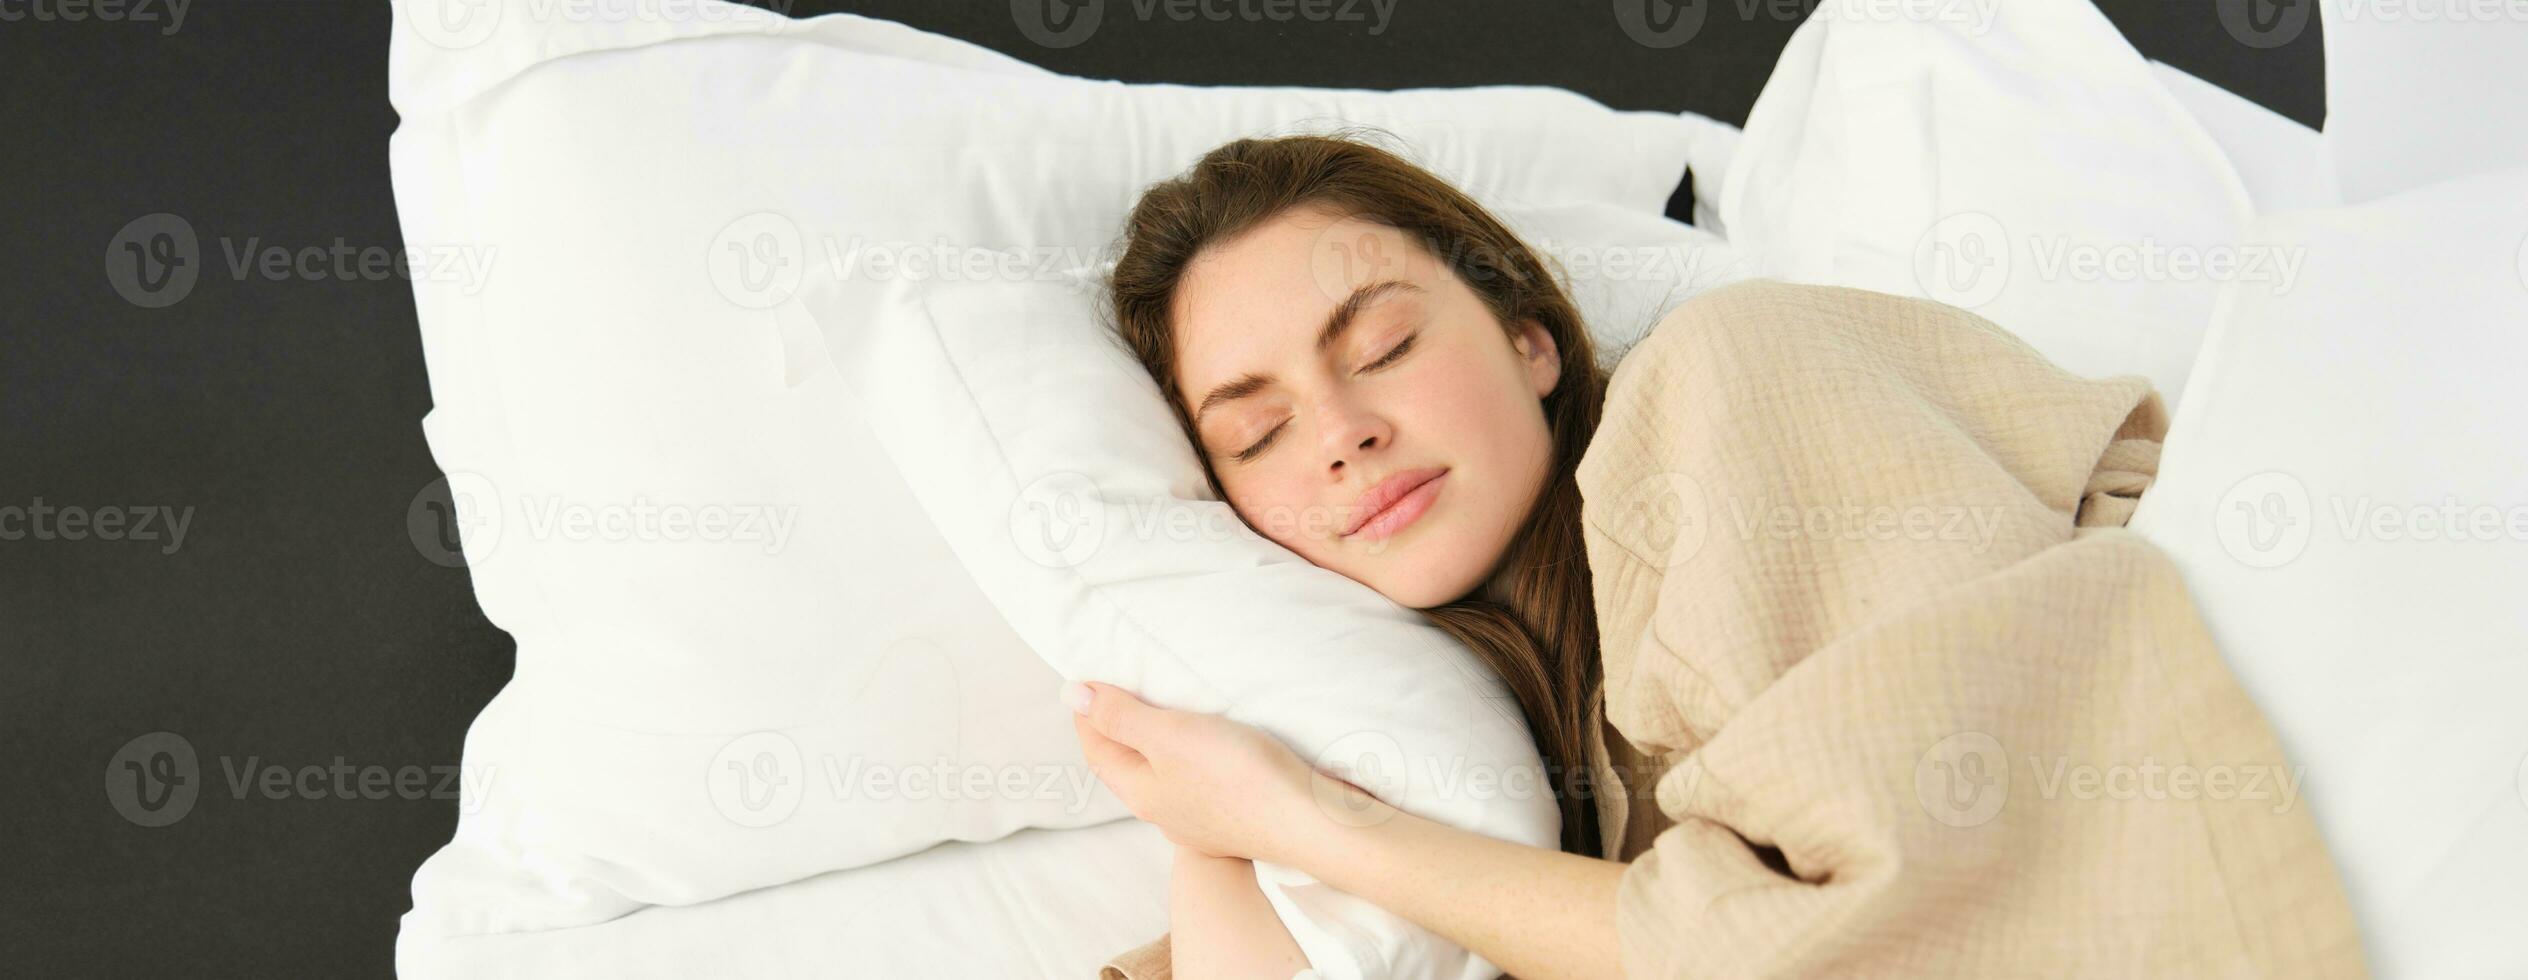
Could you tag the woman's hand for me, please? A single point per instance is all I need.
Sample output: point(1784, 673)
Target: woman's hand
point(1210, 784)
point(1222, 789)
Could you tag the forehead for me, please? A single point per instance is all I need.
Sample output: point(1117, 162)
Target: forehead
point(1257, 300)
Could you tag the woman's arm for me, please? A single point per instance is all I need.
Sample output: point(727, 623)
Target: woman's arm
point(1534, 913)
point(1220, 924)
point(1218, 787)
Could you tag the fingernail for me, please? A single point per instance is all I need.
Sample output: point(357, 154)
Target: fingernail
point(1077, 696)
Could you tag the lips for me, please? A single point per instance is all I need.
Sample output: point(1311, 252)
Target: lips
point(1393, 502)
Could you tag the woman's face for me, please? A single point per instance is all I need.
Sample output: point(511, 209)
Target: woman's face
point(1360, 404)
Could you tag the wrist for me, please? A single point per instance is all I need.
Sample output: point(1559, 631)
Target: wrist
point(1311, 833)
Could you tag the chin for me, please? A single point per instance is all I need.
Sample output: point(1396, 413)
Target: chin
point(1423, 581)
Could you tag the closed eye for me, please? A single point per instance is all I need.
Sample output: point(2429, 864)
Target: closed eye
point(1249, 453)
point(1393, 354)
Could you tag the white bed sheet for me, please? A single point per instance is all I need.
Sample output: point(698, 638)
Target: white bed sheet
point(1038, 903)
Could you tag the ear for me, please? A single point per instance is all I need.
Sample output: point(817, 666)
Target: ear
point(1536, 346)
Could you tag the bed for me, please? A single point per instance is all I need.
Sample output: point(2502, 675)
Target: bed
point(955, 910)
point(1058, 902)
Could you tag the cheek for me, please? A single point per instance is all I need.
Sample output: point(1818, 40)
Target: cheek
point(1477, 413)
point(1277, 504)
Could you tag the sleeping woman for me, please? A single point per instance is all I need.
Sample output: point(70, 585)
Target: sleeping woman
point(1776, 746)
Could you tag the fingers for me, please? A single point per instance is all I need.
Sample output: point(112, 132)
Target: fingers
point(1099, 749)
point(1120, 716)
point(1115, 763)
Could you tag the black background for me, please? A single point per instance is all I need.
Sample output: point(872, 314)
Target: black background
point(298, 622)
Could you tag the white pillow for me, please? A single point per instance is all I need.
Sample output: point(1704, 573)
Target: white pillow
point(2417, 91)
point(2023, 163)
point(1624, 269)
point(644, 196)
point(2281, 163)
point(2307, 491)
point(1054, 467)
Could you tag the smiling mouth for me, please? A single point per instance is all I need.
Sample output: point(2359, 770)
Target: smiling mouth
point(1395, 503)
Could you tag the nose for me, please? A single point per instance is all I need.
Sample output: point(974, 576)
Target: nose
point(1349, 432)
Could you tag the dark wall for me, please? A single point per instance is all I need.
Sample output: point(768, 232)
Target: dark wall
point(300, 619)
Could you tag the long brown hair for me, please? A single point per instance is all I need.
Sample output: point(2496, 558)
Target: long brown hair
point(1533, 622)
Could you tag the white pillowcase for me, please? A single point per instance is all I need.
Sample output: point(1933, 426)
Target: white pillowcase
point(702, 704)
point(2346, 490)
point(1054, 467)
point(2417, 91)
point(2027, 166)
point(2281, 163)
point(1624, 269)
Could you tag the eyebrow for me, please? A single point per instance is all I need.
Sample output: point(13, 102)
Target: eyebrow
point(1335, 323)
